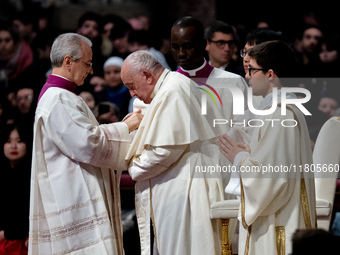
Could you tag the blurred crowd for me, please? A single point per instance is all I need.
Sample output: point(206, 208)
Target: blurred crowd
point(26, 39)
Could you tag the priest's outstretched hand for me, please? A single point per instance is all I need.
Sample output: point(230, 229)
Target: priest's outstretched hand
point(229, 148)
point(133, 120)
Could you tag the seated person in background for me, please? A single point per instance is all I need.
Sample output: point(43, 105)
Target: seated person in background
point(314, 242)
point(328, 104)
point(116, 92)
point(98, 83)
point(221, 46)
point(24, 99)
point(254, 37)
point(106, 113)
point(119, 37)
point(140, 40)
point(89, 26)
point(15, 55)
point(26, 103)
point(88, 96)
point(109, 21)
point(26, 25)
point(15, 161)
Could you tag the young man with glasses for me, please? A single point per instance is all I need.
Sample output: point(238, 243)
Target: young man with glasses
point(276, 200)
point(221, 46)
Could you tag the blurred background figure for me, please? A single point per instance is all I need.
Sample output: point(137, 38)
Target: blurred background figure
point(254, 37)
point(140, 22)
point(15, 160)
point(98, 83)
point(115, 91)
point(15, 55)
point(308, 50)
point(89, 25)
point(107, 112)
point(109, 22)
point(41, 47)
point(328, 104)
point(26, 25)
point(119, 37)
point(329, 55)
point(24, 97)
point(221, 46)
point(315, 241)
point(87, 95)
point(141, 40)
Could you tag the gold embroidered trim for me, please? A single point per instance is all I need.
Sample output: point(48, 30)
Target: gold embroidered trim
point(242, 161)
point(243, 206)
point(303, 193)
point(83, 246)
point(73, 207)
point(305, 205)
point(295, 117)
point(70, 229)
point(246, 249)
point(259, 137)
point(280, 240)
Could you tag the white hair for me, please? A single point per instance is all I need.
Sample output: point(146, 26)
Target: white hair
point(143, 60)
point(67, 44)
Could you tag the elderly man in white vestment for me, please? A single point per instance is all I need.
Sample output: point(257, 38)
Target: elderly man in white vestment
point(273, 205)
point(172, 141)
point(75, 201)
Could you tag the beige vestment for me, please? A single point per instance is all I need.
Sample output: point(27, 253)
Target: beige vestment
point(171, 141)
point(75, 199)
point(274, 205)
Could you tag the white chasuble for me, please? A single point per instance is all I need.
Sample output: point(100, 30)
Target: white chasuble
point(276, 198)
point(172, 144)
point(75, 199)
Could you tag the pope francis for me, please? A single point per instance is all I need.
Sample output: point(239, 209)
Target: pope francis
point(172, 139)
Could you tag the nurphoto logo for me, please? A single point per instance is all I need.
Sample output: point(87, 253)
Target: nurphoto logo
point(238, 100)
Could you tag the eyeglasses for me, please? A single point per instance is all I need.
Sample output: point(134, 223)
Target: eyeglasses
point(254, 69)
point(89, 65)
point(243, 52)
point(25, 98)
point(222, 43)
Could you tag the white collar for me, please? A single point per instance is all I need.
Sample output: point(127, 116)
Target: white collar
point(61, 77)
point(193, 71)
point(221, 67)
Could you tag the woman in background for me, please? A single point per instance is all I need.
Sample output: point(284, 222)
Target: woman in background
point(15, 172)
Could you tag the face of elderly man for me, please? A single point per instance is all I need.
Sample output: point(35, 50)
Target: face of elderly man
point(140, 84)
point(82, 67)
